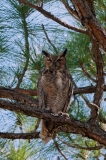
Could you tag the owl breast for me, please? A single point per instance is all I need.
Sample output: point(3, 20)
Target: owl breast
point(55, 87)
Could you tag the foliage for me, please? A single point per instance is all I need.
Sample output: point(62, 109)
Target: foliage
point(22, 39)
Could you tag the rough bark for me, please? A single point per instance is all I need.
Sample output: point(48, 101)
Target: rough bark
point(90, 22)
point(67, 125)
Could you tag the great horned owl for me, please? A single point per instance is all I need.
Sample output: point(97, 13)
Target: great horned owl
point(54, 90)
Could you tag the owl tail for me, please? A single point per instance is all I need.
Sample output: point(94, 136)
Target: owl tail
point(45, 135)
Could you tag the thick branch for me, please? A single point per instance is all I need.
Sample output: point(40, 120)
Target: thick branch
point(51, 16)
point(13, 95)
point(87, 17)
point(31, 92)
point(100, 81)
point(68, 125)
point(16, 93)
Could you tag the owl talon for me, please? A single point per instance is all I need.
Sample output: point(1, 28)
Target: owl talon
point(55, 115)
point(66, 115)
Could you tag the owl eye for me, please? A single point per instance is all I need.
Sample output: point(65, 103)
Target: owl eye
point(49, 60)
point(60, 59)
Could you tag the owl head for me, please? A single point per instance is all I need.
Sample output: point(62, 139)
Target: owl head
point(55, 62)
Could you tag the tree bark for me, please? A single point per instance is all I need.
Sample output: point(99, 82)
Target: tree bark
point(68, 125)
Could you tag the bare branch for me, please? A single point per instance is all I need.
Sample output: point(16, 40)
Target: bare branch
point(37, 125)
point(13, 95)
point(91, 54)
point(86, 73)
point(19, 135)
point(80, 147)
point(27, 52)
point(70, 10)
point(31, 92)
point(51, 16)
point(100, 82)
point(57, 146)
point(49, 39)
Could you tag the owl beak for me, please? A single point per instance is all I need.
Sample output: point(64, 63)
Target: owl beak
point(54, 65)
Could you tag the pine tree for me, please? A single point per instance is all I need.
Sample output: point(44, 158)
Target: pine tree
point(27, 27)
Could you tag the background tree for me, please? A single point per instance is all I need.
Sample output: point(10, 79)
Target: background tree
point(27, 27)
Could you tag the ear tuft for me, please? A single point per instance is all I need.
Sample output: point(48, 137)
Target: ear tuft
point(45, 53)
point(64, 53)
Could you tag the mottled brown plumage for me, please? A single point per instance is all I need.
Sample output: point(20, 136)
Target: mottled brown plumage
point(54, 90)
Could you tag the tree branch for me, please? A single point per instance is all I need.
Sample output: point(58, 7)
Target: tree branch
point(27, 52)
point(51, 16)
point(14, 93)
point(70, 10)
point(31, 92)
point(57, 146)
point(86, 73)
point(68, 125)
point(12, 136)
point(87, 17)
point(49, 39)
point(37, 125)
point(100, 82)
point(80, 147)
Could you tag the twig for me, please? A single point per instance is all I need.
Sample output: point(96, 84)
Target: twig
point(49, 39)
point(56, 145)
point(70, 10)
point(51, 16)
point(37, 125)
point(80, 147)
point(86, 73)
point(27, 54)
point(92, 56)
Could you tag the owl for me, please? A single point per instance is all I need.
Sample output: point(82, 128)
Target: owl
point(54, 91)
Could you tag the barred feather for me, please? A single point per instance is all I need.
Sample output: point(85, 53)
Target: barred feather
point(54, 91)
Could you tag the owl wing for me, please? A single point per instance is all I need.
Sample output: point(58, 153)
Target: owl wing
point(70, 92)
point(41, 93)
